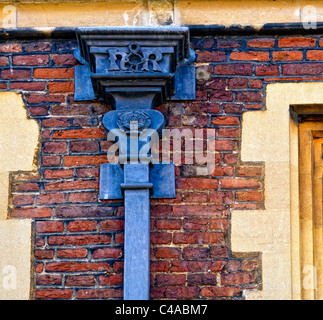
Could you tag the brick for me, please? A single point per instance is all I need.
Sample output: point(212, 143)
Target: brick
point(316, 55)
point(224, 197)
point(201, 279)
point(36, 98)
point(197, 210)
point(10, 47)
point(55, 122)
point(197, 266)
point(221, 96)
point(37, 46)
point(169, 224)
point(4, 61)
point(249, 171)
point(51, 161)
point(238, 278)
point(80, 280)
point(79, 240)
point(196, 183)
point(233, 69)
point(167, 253)
point(39, 111)
point(81, 225)
point(54, 147)
point(163, 279)
point(48, 279)
point(84, 146)
point(249, 196)
point(195, 224)
point(222, 145)
point(228, 132)
point(60, 87)
point(25, 186)
point(233, 108)
point(51, 73)
point(43, 254)
point(219, 252)
point(228, 43)
point(31, 212)
point(180, 292)
point(257, 84)
point(87, 172)
point(296, 42)
point(51, 198)
point(160, 238)
point(83, 211)
point(23, 199)
point(288, 56)
point(64, 59)
point(53, 294)
point(303, 69)
point(71, 161)
point(211, 292)
point(159, 266)
point(239, 183)
point(238, 83)
point(250, 56)
point(83, 197)
point(29, 86)
point(111, 280)
point(267, 70)
point(70, 185)
point(261, 43)
point(72, 266)
point(49, 226)
point(31, 60)
point(194, 197)
point(197, 237)
point(86, 133)
point(211, 56)
point(72, 253)
point(58, 173)
point(99, 293)
point(219, 224)
point(226, 120)
point(15, 74)
point(106, 253)
point(192, 253)
point(249, 96)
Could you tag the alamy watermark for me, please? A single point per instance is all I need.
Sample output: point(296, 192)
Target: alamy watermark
point(180, 146)
point(9, 277)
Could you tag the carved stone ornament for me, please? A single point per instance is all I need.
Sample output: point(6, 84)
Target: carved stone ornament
point(133, 121)
point(147, 59)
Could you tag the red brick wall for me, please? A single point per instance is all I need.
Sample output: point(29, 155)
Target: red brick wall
point(78, 240)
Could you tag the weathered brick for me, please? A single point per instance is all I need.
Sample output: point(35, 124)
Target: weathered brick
point(15, 74)
point(51, 198)
point(287, 55)
point(49, 226)
point(296, 42)
point(81, 225)
point(80, 280)
point(250, 56)
point(53, 293)
point(261, 43)
point(51, 73)
point(239, 183)
point(31, 60)
point(233, 69)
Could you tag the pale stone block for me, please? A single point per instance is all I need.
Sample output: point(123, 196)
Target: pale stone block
point(15, 257)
